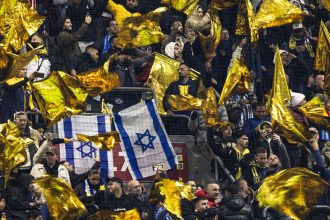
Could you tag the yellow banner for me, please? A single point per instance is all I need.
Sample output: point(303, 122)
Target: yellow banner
point(323, 48)
point(105, 141)
point(186, 6)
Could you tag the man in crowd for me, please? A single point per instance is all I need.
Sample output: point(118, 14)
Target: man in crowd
point(112, 30)
point(134, 189)
point(213, 194)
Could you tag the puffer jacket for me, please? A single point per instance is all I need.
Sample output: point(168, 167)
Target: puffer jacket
point(234, 207)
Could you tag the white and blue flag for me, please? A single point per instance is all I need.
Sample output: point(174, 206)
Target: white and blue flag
point(144, 141)
point(81, 155)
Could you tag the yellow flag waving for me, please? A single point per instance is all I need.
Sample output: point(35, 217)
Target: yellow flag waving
point(323, 48)
point(105, 141)
point(59, 96)
point(222, 4)
point(186, 6)
point(292, 192)
point(62, 202)
point(245, 19)
point(237, 75)
point(108, 215)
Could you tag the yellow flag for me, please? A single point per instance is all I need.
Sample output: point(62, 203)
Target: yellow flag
point(323, 47)
point(120, 13)
point(210, 43)
point(12, 151)
point(276, 13)
point(141, 30)
point(237, 75)
point(281, 118)
point(315, 111)
point(327, 76)
point(18, 21)
point(326, 4)
point(223, 4)
point(210, 109)
point(245, 19)
point(292, 192)
point(163, 72)
point(184, 102)
point(280, 85)
point(99, 80)
point(3, 59)
point(108, 215)
point(62, 202)
point(105, 141)
point(59, 96)
point(174, 191)
point(186, 6)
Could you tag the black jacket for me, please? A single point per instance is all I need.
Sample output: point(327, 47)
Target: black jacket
point(75, 179)
point(235, 208)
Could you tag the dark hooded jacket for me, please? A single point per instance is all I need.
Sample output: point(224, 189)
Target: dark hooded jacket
point(234, 207)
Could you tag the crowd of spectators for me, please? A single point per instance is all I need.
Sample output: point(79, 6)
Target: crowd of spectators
point(80, 35)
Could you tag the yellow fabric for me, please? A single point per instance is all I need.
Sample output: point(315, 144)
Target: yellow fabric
point(14, 81)
point(315, 111)
point(323, 47)
point(62, 202)
point(223, 4)
point(105, 141)
point(210, 43)
point(18, 21)
point(237, 81)
point(292, 192)
point(245, 19)
point(186, 6)
point(274, 13)
point(281, 118)
point(184, 103)
point(240, 155)
point(326, 4)
point(108, 215)
point(163, 72)
point(99, 80)
point(59, 96)
point(183, 89)
point(327, 76)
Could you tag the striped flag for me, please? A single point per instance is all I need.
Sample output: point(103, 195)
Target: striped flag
point(81, 155)
point(144, 141)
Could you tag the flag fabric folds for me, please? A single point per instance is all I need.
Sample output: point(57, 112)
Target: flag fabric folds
point(292, 192)
point(164, 71)
point(281, 118)
point(323, 48)
point(186, 6)
point(99, 80)
point(185, 103)
point(132, 214)
point(62, 202)
point(238, 77)
point(105, 141)
point(245, 19)
point(59, 96)
point(81, 155)
point(18, 21)
point(145, 142)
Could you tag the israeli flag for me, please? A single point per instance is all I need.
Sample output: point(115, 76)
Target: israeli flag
point(81, 155)
point(144, 141)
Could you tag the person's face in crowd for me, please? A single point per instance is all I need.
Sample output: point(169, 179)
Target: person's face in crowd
point(134, 187)
point(113, 27)
point(227, 132)
point(261, 159)
point(285, 58)
point(319, 81)
point(113, 187)
point(132, 3)
point(36, 41)
point(243, 141)
point(200, 13)
point(244, 188)
point(22, 72)
point(94, 179)
point(177, 50)
point(94, 55)
point(21, 121)
point(202, 205)
point(298, 33)
point(190, 34)
point(260, 112)
point(273, 161)
point(177, 27)
point(68, 166)
point(213, 190)
point(193, 185)
point(67, 25)
point(224, 35)
point(41, 131)
point(183, 71)
point(50, 158)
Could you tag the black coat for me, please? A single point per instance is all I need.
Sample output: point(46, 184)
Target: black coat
point(75, 179)
point(235, 208)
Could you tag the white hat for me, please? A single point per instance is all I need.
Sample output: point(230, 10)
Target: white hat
point(296, 98)
point(297, 26)
point(281, 51)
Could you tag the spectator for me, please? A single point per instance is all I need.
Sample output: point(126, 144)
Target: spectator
point(134, 6)
point(315, 86)
point(67, 41)
point(233, 205)
point(199, 20)
point(213, 194)
point(193, 185)
point(175, 35)
point(112, 30)
point(135, 190)
point(87, 61)
point(174, 51)
point(114, 198)
point(184, 86)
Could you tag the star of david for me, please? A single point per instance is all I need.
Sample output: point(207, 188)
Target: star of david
point(86, 152)
point(142, 140)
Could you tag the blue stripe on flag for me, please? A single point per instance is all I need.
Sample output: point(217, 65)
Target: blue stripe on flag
point(161, 134)
point(128, 147)
point(103, 154)
point(69, 148)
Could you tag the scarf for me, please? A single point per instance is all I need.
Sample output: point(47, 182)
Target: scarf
point(89, 189)
point(307, 44)
point(106, 44)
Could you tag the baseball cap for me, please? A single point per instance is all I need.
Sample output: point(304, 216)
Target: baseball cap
point(51, 150)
